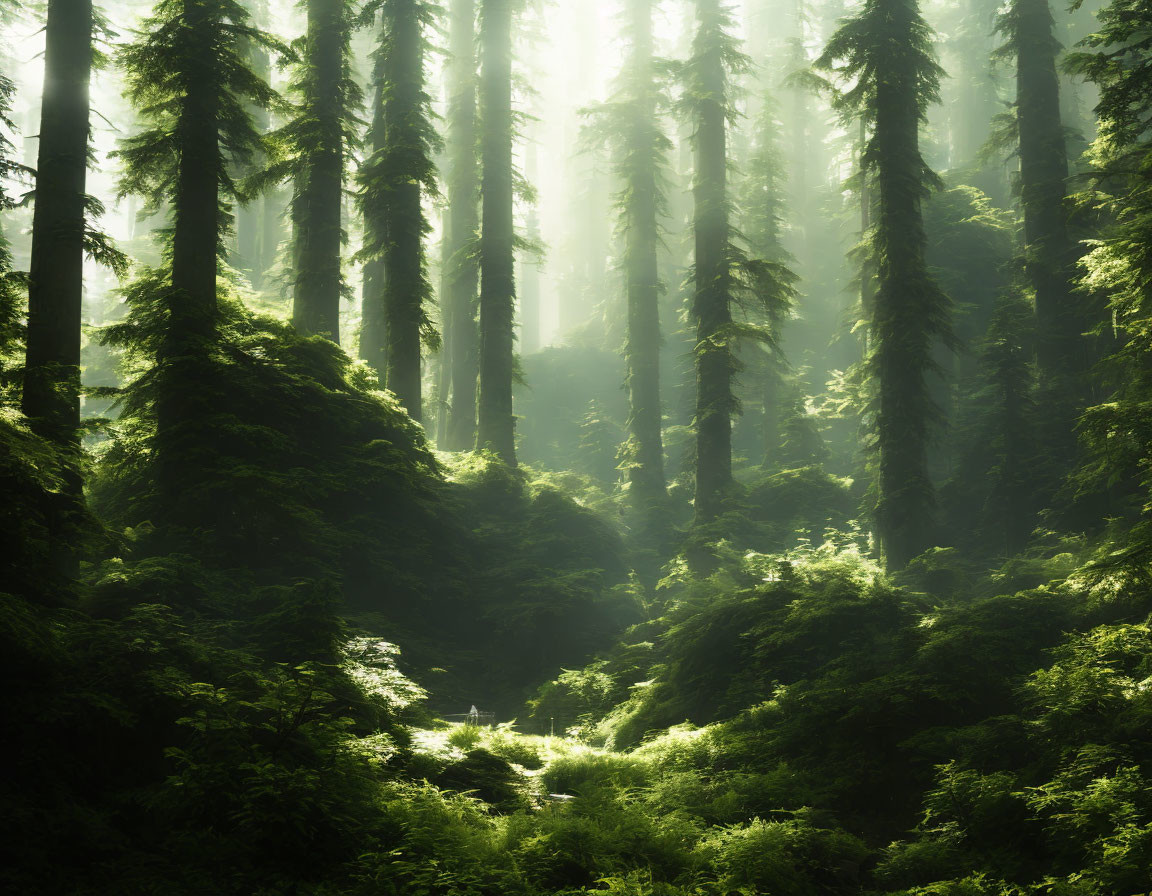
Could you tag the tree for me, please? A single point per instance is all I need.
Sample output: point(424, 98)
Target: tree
point(762, 219)
point(496, 424)
point(392, 186)
point(189, 79)
point(373, 317)
point(257, 222)
point(885, 52)
point(640, 147)
point(318, 139)
point(460, 270)
point(1050, 249)
point(1117, 59)
point(51, 397)
point(12, 330)
point(707, 100)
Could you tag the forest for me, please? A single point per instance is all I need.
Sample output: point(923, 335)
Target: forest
point(569, 447)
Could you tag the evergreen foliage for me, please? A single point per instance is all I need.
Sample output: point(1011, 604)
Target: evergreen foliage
point(316, 144)
point(707, 99)
point(1118, 59)
point(762, 222)
point(640, 148)
point(393, 184)
point(885, 51)
point(210, 695)
point(191, 84)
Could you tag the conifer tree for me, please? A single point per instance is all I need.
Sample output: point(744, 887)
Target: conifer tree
point(459, 267)
point(496, 425)
point(885, 53)
point(190, 82)
point(11, 294)
point(976, 100)
point(52, 373)
point(51, 396)
point(318, 140)
point(252, 231)
point(1117, 59)
point(373, 314)
point(707, 87)
point(762, 217)
point(1008, 370)
point(1050, 249)
point(392, 186)
point(640, 147)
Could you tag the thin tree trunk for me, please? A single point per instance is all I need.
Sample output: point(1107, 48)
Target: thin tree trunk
point(529, 269)
point(374, 319)
point(250, 218)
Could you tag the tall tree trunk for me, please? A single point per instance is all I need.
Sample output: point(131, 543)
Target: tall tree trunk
point(51, 397)
point(715, 364)
point(903, 309)
point(644, 151)
point(1043, 185)
point(461, 273)
point(319, 189)
point(374, 317)
point(183, 357)
point(496, 425)
point(405, 282)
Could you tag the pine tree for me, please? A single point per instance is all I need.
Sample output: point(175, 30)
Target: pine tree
point(640, 147)
point(189, 79)
point(762, 217)
point(318, 140)
point(251, 218)
point(706, 98)
point(11, 291)
point(51, 397)
point(976, 100)
point(373, 317)
point(1117, 59)
point(496, 424)
point(1009, 394)
point(885, 52)
point(460, 270)
point(392, 186)
point(1050, 249)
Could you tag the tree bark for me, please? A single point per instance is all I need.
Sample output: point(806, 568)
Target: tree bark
point(646, 470)
point(319, 189)
point(715, 365)
point(461, 273)
point(51, 396)
point(496, 424)
point(1062, 350)
point(404, 283)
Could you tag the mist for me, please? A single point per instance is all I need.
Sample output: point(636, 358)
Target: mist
point(641, 447)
